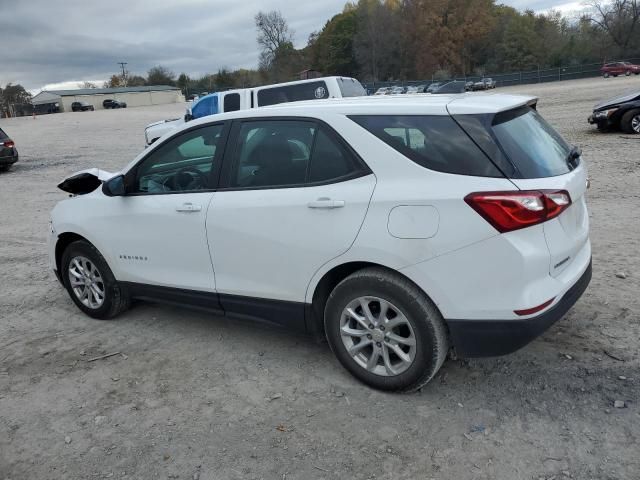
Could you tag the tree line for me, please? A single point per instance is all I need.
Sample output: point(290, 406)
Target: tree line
point(375, 40)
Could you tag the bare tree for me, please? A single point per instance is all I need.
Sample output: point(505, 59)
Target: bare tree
point(273, 34)
point(87, 85)
point(618, 18)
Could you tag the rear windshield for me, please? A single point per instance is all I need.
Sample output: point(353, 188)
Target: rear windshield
point(520, 142)
point(293, 93)
point(435, 142)
point(350, 87)
point(531, 144)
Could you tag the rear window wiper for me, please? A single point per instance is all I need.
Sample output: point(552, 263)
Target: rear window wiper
point(572, 157)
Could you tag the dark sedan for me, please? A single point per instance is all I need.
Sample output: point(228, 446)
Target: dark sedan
point(621, 112)
point(113, 104)
point(81, 107)
point(8, 151)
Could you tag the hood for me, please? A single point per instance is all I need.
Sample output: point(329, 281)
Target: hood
point(625, 97)
point(84, 181)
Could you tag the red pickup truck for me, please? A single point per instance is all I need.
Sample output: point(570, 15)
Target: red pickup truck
point(619, 68)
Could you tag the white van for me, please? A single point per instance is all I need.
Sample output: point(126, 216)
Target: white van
point(246, 98)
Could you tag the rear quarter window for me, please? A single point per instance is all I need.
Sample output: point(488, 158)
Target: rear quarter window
point(293, 93)
point(3, 135)
point(435, 142)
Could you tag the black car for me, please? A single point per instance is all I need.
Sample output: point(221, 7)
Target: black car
point(114, 104)
point(81, 107)
point(622, 113)
point(8, 151)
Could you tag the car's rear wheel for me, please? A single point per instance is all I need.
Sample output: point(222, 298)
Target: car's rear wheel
point(385, 331)
point(90, 282)
point(630, 122)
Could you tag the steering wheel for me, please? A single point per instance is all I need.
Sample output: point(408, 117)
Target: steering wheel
point(189, 178)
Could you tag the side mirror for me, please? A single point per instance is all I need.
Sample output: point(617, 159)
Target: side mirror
point(114, 187)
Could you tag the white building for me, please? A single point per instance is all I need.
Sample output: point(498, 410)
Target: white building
point(46, 101)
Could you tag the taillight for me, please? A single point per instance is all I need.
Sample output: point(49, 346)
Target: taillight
point(8, 143)
point(508, 211)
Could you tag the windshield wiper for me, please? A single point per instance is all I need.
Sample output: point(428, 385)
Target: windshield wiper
point(572, 156)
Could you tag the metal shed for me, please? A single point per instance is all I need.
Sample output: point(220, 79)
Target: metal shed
point(132, 96)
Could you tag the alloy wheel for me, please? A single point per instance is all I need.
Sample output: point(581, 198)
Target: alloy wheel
point(86, 282)
point(635, 123)
point(378, 336)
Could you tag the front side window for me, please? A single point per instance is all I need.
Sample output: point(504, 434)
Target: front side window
point(184, 163)
point(435, 142)
point(206, 106)
point(293, 93)
point(282, 153)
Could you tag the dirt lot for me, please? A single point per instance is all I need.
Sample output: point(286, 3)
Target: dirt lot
point(192, 396)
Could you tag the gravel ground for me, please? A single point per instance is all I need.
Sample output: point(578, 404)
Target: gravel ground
point(191, 396)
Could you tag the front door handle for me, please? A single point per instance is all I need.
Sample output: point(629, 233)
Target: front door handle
point(188, 208)
point(325, 202)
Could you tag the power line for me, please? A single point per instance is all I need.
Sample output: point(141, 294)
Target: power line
point(124, 74)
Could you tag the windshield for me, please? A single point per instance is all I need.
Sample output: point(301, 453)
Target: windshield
point(531, 144)
point(350, 87)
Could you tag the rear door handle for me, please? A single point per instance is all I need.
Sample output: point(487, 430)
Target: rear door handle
point(188, 208)
point(325, 202)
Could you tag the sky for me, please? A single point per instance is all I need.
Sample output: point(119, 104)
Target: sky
point(59, 43)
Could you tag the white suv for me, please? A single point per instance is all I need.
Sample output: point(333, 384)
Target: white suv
point(399, 227)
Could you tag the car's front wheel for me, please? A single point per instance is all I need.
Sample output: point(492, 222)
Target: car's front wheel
point(630, 122)
point(90, 282)
point(385, 331)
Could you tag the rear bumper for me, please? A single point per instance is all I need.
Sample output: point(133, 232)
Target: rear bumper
point(489, 338)
point(9, 160)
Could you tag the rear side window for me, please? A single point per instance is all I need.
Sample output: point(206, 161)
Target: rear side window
point(286, 153)
point(293, 93)
point(435, 142)
point(330, 160)
point(232, 102)
point(2, 135)
point(350, 87)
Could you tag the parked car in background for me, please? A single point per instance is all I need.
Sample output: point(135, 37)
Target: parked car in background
point(621, 112)
point(490, 195)
point(383, 91)
point(421, 88)
point(398, 90)
point(468, 86)
point(433, 87)
point(484, 84)
point(8, 151)
point(247, 98)
point(81, 107)
point(619, 68)
point(412, 89)
point(114, 104)
point(454, 86)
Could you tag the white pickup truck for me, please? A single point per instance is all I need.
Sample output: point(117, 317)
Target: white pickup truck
point(232, 100)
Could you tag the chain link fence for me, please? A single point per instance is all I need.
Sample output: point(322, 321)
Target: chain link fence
point(572, 72)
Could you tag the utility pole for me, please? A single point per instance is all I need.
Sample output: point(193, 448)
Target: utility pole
point(124, 73)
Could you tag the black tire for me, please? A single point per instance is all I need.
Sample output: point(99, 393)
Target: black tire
point(115, 299)
point(429, 330)
point(627, 120)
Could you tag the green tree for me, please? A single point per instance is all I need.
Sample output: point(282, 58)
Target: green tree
point(160, 75)
point(331, 51)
